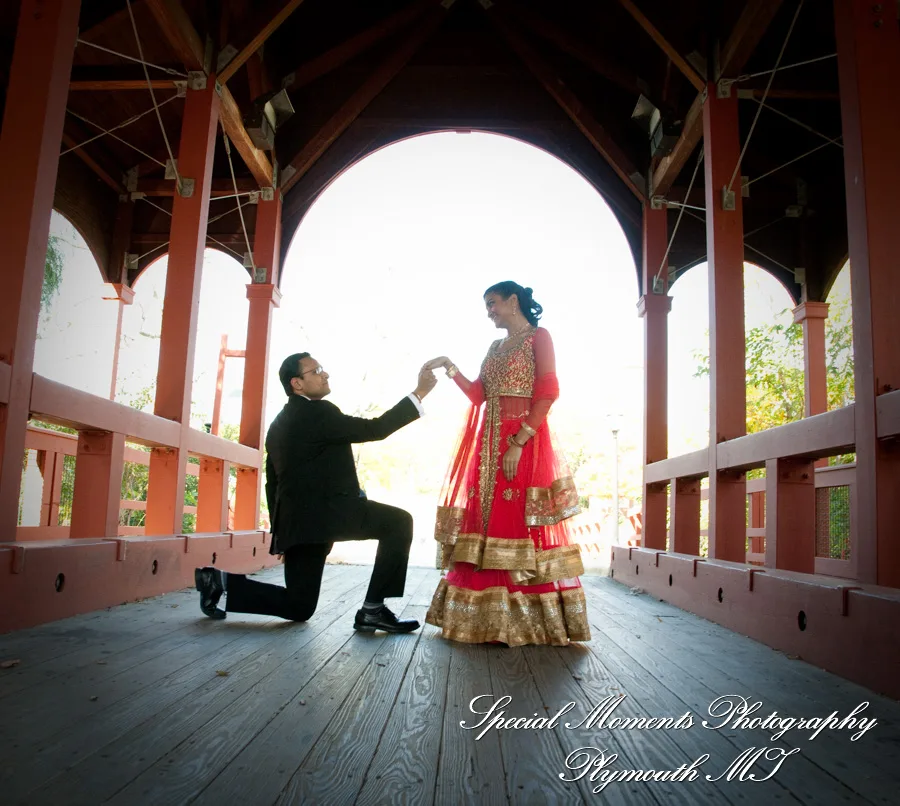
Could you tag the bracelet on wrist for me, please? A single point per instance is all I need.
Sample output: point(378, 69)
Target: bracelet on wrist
point(452, 371)
point(511, 440)
point(528, 429)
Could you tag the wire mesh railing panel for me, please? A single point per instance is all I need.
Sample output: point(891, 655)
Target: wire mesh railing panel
point(833, 522)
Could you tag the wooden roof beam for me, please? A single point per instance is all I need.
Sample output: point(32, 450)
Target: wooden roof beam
point(180, 33)
point(748, 31)
point(69, 141)
point(571, 105)
point(102, 79)
point(687, 71)
point(588, 55)
point(262, 32)
point(338, 123)
point(354, 46)
point(220, 187)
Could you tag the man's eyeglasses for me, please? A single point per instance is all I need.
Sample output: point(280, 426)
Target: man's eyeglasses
point(317, 371)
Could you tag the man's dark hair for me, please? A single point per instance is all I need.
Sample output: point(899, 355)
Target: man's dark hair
point(289, 369)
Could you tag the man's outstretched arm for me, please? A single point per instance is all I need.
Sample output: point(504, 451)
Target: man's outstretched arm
point(338, 427)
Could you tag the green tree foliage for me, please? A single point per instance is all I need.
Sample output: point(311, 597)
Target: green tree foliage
point(53, 270)
point(775, 381)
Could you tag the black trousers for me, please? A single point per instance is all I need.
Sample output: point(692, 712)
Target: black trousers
point(303, 566)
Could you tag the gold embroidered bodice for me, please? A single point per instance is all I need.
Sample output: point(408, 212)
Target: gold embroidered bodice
point(508, 368)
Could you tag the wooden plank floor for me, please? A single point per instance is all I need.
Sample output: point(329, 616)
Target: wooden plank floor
point(151, 703)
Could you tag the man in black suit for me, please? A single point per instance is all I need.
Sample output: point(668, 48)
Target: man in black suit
point(315, 499)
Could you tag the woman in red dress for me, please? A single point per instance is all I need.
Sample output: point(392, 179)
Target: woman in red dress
point(513, 575)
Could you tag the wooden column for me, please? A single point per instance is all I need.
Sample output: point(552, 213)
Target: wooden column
point(727, 382)
point(29, 157)
point(812, 316)
point(51, 467)
point(165, 494)
point(654, 306)
point(264, 298)
point(212, 495)
point(791, 515)
point(868, 43)
point(757, 520)
point(122, 295)
point(98, 484)
point(684, 515)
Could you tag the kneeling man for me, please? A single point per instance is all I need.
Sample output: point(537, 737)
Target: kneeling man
point(314, 500)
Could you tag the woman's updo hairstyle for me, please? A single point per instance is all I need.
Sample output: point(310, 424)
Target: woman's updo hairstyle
point(531, 309)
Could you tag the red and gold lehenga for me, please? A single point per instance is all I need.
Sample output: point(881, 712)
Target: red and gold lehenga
point(513, 575)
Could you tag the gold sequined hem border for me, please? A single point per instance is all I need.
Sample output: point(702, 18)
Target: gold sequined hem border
point(516, 619)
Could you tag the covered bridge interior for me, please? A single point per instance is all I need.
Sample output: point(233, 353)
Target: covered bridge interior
point(719, 132)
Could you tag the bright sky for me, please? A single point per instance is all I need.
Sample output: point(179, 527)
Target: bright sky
point(388, 269)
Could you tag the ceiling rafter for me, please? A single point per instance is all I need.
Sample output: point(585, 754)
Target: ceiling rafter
point(264, 29)
point(571, 105)
point(220, 187)
point(586, 54)
point(349, 49)
point(70, 140)
point(338, 123)
point(184, 40)
point(116, 77)
point(653, 32)
point(755, 19)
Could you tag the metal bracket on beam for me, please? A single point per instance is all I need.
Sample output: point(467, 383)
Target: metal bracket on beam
point(657, 203)
point(723, 88)
point(259, 275)
point(171, 169)
point(225, 56)
point(745, 187)
point(729, 203)
point(196, 80)
point(131, 261)
point(186, 187)
point(267, 194)
point(131, 179)
point(180, 88)
point(253, 198)
point(136, 195)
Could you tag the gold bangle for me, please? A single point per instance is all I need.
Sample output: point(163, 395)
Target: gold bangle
point(452, 371)
point(527, 429)
point(511, 440)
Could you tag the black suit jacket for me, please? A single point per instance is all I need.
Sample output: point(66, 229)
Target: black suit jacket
point(311, 482)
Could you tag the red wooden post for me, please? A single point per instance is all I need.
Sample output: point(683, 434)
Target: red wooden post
point(654, 308)
point(165, 494)
point(812, 316)
point(220, 382)
point(757, 520)
point(98, 484)
point(727, 383)
point(264, 298)
point(29, 157)
point(791, 515)
point(868, 44)
point(684, 515)
point(212, 495)
point(122, 295)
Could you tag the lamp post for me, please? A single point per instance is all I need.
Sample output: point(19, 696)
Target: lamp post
point(615, 433)
point(615, 422)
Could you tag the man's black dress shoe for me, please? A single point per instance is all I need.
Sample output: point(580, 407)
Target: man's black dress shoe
point(382, 619)
point(209, 583)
